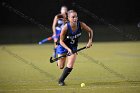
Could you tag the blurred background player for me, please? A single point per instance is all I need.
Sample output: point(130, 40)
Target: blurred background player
point(69, 42)
point(58, 23)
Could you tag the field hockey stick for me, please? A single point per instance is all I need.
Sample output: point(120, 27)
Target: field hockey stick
point(47, 39)
point(55, 59)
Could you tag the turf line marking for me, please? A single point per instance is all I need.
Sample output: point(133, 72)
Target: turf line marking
point(56, 89)
point(28, 63)
point(121, 76)
point(25, 81)
point(103, 66)
point(128, 55)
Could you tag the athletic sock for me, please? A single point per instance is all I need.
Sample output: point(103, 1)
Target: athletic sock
point(65, 73)
point(54, 54)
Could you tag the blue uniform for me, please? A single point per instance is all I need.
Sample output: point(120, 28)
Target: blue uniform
point(71, 39)
point(60, 24)
point(58, 28)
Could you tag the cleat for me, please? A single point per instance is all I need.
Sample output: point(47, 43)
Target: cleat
point(61, 83)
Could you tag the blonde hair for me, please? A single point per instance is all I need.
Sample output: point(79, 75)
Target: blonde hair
point(64, 7)
point(71, 11)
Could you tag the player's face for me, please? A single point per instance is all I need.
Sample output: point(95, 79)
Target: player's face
point(63, 10)
point(73, 17)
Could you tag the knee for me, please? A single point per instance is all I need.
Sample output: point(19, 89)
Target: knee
point(70, 65)
point(61, 67)
point(61, 63)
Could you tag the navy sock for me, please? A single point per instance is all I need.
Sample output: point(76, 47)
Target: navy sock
point(65, 73)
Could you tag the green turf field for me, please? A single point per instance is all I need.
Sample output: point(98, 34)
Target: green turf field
point(104, 68)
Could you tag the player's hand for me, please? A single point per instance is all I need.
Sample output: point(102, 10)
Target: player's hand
point(69, 52)
point(89, 44)
point(54, 35)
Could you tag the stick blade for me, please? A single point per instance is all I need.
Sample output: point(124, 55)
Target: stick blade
point(51, 61)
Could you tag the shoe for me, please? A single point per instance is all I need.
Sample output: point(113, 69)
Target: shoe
point(61, 83)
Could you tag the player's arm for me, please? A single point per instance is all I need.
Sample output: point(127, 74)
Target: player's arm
point(90, 33)
point(62, 37)
point(54, 24)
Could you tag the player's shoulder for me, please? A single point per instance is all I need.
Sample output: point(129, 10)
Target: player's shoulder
point(59, 16)
point(81, 22)
point(65, 26)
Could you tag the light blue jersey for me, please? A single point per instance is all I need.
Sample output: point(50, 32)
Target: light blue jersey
point(60, 24)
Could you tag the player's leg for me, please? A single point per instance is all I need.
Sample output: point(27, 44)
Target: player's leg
point(61, 51)
point(71, 60)
point(55, 43)
point(55, 48)
point(68, 69)
point(61, 62)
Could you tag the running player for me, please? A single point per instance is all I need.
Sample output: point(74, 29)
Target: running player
point(69, 42)
point(58, 23)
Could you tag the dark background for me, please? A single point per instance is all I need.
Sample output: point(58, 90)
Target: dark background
point(123, 14)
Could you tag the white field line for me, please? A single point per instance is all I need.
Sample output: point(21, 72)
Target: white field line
point(55, 89)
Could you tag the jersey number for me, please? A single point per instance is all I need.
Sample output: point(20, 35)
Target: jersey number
point(72, 41)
